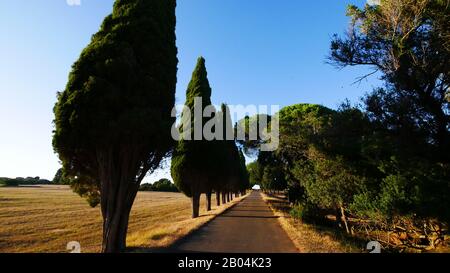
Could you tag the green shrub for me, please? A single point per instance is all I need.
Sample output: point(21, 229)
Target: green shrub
point(304, 211)
point(364, 206)
point(397, 195)
point(297, 212)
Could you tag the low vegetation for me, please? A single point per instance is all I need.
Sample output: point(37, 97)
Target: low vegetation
point(320, 235)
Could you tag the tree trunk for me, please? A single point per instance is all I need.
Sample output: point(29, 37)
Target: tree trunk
point(224, 199)
point(195, 205)
point(116, 206)
point(218, 198)
point(228, 197)
point(118, 189)
point(344, 220)
point(231, 196)
point(208, 201)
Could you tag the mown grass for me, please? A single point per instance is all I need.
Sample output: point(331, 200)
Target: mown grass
point(46, 218)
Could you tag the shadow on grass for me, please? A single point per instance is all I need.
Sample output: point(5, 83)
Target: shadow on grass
point(173, 246)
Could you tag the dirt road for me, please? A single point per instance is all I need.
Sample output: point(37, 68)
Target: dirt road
point(249, 227)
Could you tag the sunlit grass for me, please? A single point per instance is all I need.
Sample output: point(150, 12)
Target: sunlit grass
point(45, 219)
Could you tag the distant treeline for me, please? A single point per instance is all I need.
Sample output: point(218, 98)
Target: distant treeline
point(59, 179)
point(163, 185)
point(14, 182)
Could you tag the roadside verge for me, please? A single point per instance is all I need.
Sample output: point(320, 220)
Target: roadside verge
point(307, 238)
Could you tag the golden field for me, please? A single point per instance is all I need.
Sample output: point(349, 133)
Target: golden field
point(46, 218)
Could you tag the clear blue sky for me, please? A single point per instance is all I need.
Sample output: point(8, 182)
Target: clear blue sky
point(257, 51)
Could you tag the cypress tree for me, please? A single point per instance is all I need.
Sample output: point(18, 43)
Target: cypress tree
point(235, 170)
point(224, 148)
point(232, 174)
point(113, 120)
point(193, 160)
point(244, 176)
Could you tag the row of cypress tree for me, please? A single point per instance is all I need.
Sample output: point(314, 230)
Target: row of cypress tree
point(203, 166)
point(113, 120)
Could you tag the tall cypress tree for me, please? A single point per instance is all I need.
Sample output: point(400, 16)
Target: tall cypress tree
point(223, 151)
point(228, 173)
point(113, 120)
point(244, 177)
point(193, 160)
point(235, 173)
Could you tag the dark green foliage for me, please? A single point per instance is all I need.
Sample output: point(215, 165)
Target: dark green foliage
point(301, 126)
point(273, 178)
point(408, 138)
point(412, 56)
point(236, 172)
point(193, 161)
point(8, 182)
point(329, 182)
point(113, 121)
point(90, 190)
point(84, 187)
point(252, 130)
point(121, 88)
point(407, 188)
point(146, 187)
point(227, 171)
point(297, 212)
point(27, 181)
point(163, 185)
point(60, 178)
point(311, 145)
point(87, 189)
point(304, 211)
point(391, 159)
point(255, 173)
point(244, 177)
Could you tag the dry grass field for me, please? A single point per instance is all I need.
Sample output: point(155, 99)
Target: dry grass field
point(46, 218)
